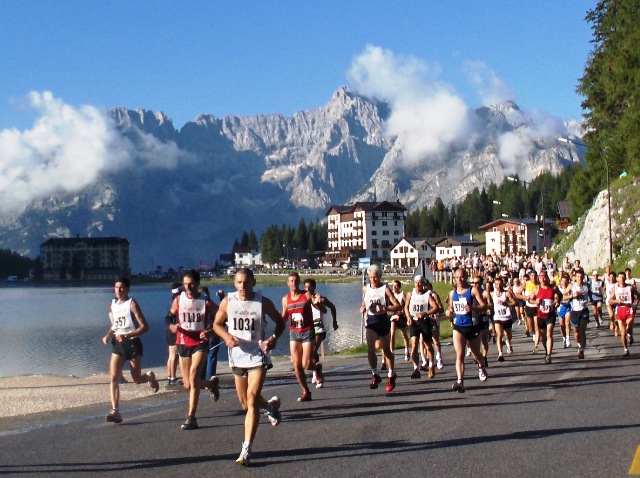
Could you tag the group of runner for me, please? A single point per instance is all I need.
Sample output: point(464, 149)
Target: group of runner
point(481, 310)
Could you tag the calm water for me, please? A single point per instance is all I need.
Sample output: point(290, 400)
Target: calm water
point(58, 331)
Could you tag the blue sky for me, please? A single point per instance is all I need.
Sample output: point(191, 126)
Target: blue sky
point(252, 57)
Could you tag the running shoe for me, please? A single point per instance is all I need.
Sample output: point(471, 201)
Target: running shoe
point(482, 374)
point(547, 359)
point(626, 353)
point(468, 352)
point(535, 350)
point(406, 356)
point(439, 364)
point(630, 339)
point(314, 379)
point(153, 383)
point(391, 382)
point(375, 380)
point(528, 334)
point(244, 458)
point(114, 416)
point(432, 372)
point(416, 373)
point(424, 368)
point(568, 342)
point(500, 358)
point(305, 397)
point(172, 382)
point(319, 376)
point(214, 388)
point(458, 387)
point(580, 353)
point(190, 424)
point(509, 349)
point(273, 411)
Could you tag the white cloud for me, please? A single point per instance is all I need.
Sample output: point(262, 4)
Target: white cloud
point(66, 150)
point(426, 114)
point(490, 87)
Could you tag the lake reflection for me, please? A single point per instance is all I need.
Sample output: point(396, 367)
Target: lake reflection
point(58, 330)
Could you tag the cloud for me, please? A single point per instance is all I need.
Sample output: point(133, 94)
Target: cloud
point(66, 150)
point(426, 114)
point(490, 87)
point(434, 124)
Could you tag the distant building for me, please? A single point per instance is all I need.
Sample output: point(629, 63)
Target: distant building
point(88, 258)
point(564, 215)
point(407, 253)
point(247, 257)
point(364, 229)
point(456, 246)
point(512, 236)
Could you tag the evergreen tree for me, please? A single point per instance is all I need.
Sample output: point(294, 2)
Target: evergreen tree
point(611, 87)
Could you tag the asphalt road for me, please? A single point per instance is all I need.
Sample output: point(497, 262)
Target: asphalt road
point(570, 418)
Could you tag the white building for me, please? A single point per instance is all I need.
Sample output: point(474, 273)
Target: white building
point(511, 236)
point(407, 253)
point(364, 229)
point(247, 257)
point(456, 246)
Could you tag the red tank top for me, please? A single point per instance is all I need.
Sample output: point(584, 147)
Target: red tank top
point(545, 305)
point(299, 311)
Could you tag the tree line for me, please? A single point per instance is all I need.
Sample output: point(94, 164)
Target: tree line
point(276, 240)
point(514, 198)
point(611, 89)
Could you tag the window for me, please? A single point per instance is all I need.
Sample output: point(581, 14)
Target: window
point(385, 233)
point(374, 233)
point(396, 233)
point(384, 223)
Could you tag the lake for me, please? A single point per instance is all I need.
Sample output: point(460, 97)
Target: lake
point(58, 330)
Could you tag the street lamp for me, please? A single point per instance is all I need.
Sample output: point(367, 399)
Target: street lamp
point(606, 166)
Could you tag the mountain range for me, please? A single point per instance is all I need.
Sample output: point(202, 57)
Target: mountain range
point(186, 194)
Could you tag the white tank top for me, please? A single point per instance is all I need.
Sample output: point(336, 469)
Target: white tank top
point(419, 303)
point(501, 311)
point(580, 303)
point(192, 312)
point(623, 294)
point(246, 321)
point(122, 322)
point(373, 297)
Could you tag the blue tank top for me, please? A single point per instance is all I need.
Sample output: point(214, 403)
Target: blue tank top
point(462, 318)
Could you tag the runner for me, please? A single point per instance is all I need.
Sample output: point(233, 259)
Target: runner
point(610, 284)
point(547, 298)
point(194, 312)
point(435, 327)
point(597, 289)
point(464, 302)
point(564, 311)
point(486, 317)
point(418, 309)
point(579, 294)
point(531, 309)
point(172, 359)
point(240, 322)
point(297, 306)
point(518, 288)
point(377, 301)
point(318, 326)
point(503, 301)
point(127, 325)
point(399, 319)
point(625, 298)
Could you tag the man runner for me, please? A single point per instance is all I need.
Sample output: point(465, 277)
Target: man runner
point(243, 312)
point(127, 325)
point(318, 326)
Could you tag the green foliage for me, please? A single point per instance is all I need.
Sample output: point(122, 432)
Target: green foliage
point(518, 199)
point(611, 87)
point(14, 264)
point(310, 236)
